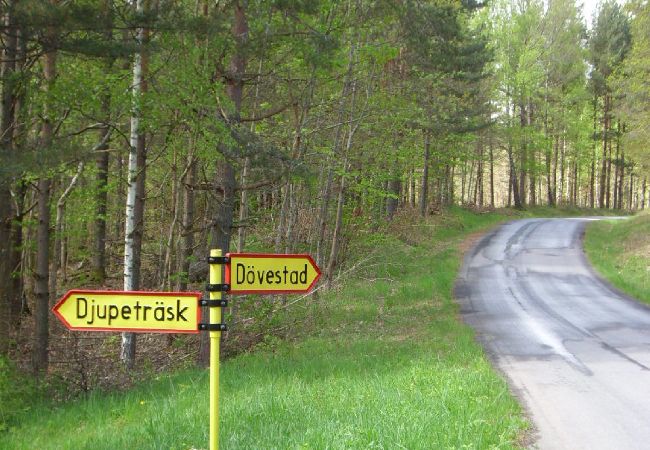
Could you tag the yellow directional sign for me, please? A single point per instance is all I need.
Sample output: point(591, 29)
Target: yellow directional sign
point(267, 273)
point(154, 312)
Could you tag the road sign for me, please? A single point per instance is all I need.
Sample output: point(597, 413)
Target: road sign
point(154, 312)
point(268, 273)
point(180, 312)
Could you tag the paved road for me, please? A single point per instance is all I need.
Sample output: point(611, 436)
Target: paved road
point(575, 351)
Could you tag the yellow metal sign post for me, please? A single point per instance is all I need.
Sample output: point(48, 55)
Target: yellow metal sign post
point(216, 288)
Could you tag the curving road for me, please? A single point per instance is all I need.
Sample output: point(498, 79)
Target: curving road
point(576, 351)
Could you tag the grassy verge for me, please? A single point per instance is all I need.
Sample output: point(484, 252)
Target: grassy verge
point(620, 252)
point(382, 362)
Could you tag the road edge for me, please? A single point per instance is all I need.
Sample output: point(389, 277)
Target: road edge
point(469, 247)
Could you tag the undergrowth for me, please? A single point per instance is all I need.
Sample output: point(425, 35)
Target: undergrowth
point(381, 361)
point(620, 252)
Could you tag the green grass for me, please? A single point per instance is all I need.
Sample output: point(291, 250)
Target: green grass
point(620, 252)
point(381, 363)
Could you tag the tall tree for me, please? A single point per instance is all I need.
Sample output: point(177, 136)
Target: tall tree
point(608, 45)
point(102, 159)
point(136, 179)
point(631, 86)
point(7, 117)
point(41, 285)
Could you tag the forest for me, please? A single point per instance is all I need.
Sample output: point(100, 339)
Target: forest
point(136, 135)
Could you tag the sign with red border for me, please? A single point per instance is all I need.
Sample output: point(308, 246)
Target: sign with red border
point(271, 273)
point(134, 311)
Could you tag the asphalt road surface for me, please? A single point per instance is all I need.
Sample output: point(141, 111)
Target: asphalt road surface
point(576, 351)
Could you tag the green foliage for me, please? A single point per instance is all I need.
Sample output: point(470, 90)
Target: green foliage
point(631, 85)
point(609, 43)
point(383, 363)
point(347, 89)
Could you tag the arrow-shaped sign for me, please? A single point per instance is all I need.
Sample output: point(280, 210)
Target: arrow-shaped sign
point(154, 312)
point(268, 273)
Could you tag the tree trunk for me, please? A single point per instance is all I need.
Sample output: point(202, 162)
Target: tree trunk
point(603, 170)
point(120, 192)
point(225, 173)
point(412, 188)
point(617, 169)
point(479, 175)
point(187, 226)
point(449, 177)
point(533, 162)
point(7, 117)
point(643, 193)
point(491, 174)
point(509, 203)
point(621, 164)
point(608, 178)
point(325, 194)
point(556, 162)
point(463, 181)
point(59, 254)
point(189, 183)
point(290, 242)
point(301, 113)
point(243, 207)
point(592, 182)
point(134, 225)
point(592, 173)
point(327, 188)
point(223, 217)
point(243, 196)
point(394, 188)
point(550, 195)
point(41, 274)
point(336, 235)
point(338, 225)
point(6, 293)
point(439, 193)
point(471, 183)
point(283, 217)
point(530, 157)
point(560, 193)
point(532, 182)
point(424, 186)
point(575, 183)
point(169, 248)
point(17, 305)
point(629, 202)
point(220, 235)
point(523, 161)
point(101, 202)
point(101, 166)
point(513, 181)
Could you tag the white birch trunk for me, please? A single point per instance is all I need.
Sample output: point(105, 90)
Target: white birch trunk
point(127, 354)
